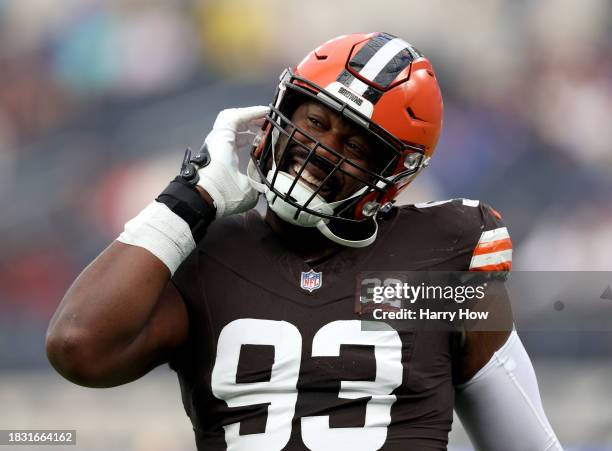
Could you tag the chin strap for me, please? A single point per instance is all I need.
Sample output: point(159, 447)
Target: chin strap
point(325, 230)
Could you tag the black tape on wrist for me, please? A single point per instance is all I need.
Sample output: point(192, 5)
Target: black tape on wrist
point(184, 200)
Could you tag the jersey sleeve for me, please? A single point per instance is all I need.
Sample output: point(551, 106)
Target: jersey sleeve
point(493, 249)
point(185, 279)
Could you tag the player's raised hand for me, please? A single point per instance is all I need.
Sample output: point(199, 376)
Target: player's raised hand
point(217, 161)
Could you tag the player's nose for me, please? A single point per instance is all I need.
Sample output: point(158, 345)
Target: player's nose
point(331, 147)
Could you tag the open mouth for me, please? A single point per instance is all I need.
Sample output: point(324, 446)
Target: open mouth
point(313, 177)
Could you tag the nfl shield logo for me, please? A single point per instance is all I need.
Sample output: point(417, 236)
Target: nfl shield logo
point(311, 280)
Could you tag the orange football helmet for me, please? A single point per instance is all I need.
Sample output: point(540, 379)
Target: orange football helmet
point(386, 87)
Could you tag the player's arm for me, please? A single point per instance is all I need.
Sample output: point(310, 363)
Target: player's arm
point(120, 318)
point(123, 316)
point(500, 406)
point(490, 262)
point(496, 395)
point(482, 338)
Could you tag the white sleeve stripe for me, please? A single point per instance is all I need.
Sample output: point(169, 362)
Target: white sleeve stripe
point(493, 258)
point(465, 202)
point(470, 202)
point(494, 235)
point(432, 203)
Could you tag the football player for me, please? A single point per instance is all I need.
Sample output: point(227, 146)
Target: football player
point(256, 314)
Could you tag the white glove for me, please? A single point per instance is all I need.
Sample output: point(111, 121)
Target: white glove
point(230, 190)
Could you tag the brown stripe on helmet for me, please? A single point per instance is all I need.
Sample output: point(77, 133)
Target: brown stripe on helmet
point(345, 77)
point(368, 51)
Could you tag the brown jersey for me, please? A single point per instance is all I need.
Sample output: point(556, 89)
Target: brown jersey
point(276, 358)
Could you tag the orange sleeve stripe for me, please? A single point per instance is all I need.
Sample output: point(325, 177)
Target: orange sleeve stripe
point(493, 246)
point(496, 213)
point(505, 266)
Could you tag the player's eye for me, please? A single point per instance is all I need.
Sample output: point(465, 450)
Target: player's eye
point(315, 122)
point(357, 149)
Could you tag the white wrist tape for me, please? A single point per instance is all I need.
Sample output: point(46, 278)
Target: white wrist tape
point(161, 232)
point(500, 407)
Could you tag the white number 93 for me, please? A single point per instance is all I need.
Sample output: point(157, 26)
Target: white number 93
point(280, 392)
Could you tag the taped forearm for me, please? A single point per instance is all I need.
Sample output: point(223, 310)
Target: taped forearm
point(172, 225)
point(161, 232)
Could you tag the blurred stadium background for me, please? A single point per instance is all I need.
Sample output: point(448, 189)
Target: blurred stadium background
point(98, 100)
